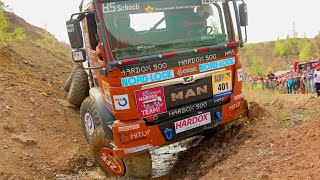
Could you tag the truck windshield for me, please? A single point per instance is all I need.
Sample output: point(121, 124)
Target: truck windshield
point(146, 27)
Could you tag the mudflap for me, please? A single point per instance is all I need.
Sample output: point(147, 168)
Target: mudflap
point(106, 116)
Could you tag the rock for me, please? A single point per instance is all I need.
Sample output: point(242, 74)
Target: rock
point(5, 147)
point(90, 163)
point(45, 94)
point(65, 103)
point(23, 140)
point(264, 176)
point(32, 99)
point(31, 115)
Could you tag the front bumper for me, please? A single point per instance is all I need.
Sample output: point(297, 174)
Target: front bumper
point(132, 137)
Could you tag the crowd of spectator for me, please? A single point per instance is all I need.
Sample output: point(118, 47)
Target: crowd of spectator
point(303, 81)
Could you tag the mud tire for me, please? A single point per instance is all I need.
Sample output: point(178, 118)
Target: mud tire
point(68, 82)
point(89, 117)
point(137, 167)
point(79, 88)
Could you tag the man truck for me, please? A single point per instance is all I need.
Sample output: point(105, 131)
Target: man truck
point(181, 53)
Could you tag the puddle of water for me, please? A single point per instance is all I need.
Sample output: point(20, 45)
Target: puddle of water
point(164, 158)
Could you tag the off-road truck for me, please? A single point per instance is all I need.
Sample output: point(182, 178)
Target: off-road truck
point(159, 71)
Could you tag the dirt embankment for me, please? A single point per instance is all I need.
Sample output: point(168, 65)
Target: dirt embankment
point(283, 143)
point(40, 135)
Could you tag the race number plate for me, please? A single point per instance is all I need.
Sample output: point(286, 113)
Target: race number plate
point(221, 82)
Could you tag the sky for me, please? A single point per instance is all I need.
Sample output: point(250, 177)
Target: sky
point(268, 19)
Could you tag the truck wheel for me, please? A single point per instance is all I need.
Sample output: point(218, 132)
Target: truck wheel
point(68, 82)
point(138, 166)
point(79, 88)
point(90, 119)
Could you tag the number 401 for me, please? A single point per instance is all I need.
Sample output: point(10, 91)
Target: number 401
point(223, 86)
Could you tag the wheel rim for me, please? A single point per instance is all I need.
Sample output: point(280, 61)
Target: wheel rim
point(112, 165)
point(89, 123)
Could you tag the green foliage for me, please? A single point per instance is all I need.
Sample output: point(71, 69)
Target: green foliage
point(20, 35)
point(47, 39)
point(256, 65)
point(317, 55)
point(4, 25)
point(250, 48)
point(305, 49)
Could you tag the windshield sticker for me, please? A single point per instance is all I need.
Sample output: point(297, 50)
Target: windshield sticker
point(143, 47)
point(212, 1)
point(113, 7)
point(149, 9)
point(147, 78)
point(181, 72)
point(216, 64)
point(151, 101)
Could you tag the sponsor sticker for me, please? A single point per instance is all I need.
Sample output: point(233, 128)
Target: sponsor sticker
point(127, 138)
point(181, 71)
point(239, 96)
point(216, 64)
point(147, 78)
point(113, 7)
point(121, 102)
point(188, 109)
point(106, 88)
point(240, 75)
point(234, 106)
point(144, 68)
point(149, 9)
point(212, 1)
point(129, 128)
point(192, 122)
point(151, 101)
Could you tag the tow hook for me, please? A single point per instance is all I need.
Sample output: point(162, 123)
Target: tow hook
point(218, 114)
point(168, 133)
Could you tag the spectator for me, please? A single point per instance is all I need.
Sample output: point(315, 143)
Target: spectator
point(259, 81)
point(317, 79)
point(266, 84)
point(303, 82)
point(271, 79)
point(290, 82)
point(310, 80)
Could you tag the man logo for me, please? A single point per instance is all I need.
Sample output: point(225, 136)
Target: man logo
point(189, 93)
point(188, 80)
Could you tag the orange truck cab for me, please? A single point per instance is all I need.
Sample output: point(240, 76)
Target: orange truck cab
point(160, 70)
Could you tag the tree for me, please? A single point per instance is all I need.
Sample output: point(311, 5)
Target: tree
point(256, 65)
point(305, 49)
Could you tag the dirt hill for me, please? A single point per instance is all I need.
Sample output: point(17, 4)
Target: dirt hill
point(41, 138)
point(39, 134)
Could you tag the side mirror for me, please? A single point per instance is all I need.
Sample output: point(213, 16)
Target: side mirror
point(243, 13)
point(79, 55)
point(75, 33)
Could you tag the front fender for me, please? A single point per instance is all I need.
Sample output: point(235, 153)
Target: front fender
point(106, 116)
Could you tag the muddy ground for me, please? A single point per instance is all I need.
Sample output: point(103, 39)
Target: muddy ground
point(41, 137)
